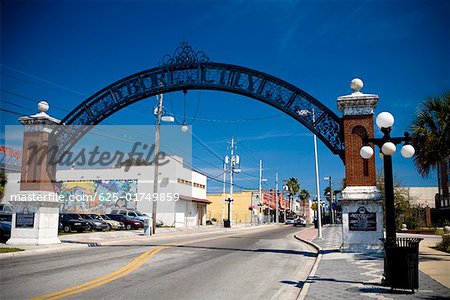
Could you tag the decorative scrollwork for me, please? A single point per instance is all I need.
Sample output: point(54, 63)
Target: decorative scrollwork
point(189, 69)
point(184, 54)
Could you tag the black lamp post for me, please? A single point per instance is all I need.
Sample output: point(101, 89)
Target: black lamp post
point(228, 222)
point(387, 145)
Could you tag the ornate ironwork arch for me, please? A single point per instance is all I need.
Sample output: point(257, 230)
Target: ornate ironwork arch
point(188, 70)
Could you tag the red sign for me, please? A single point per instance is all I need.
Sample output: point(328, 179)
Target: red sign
point(9, 151)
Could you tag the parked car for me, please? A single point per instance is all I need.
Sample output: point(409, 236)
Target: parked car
point(290, 220)
point(6, 211)
point(69, 222)
point(129, 223)
point(113, 224)
point(96, 224)
point(132, 214)
point(5, 230)
point(300, 221)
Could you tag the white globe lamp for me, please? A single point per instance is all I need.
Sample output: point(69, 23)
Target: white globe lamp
point(388, 148)
point(184, 127)
point(408, 151)
point(366, 152)
point(43, 106)
point(385, 120)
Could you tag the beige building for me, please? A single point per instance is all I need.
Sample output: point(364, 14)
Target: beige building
point(241, 212)
point(243, 201)
point(421, 196)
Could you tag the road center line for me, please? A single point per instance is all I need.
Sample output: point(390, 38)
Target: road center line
point(127, 269)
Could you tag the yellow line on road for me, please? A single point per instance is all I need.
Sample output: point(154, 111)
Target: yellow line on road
point(103, 279)
point(125, 270)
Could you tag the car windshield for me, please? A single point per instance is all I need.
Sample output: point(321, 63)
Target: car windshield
point(93, 216)
point(75, 216)
point(139, 213)
point(105, 217)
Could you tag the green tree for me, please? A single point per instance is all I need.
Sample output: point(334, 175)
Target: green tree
point(404, 211)
point(3, 181)
point(304, 194)
point(431, 133)
point(293, 186)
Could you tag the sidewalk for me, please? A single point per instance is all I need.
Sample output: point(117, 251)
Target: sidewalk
point(93, 239)
point(357, 276)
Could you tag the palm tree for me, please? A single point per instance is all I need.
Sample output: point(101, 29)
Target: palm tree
point(431, 133)
point(304, 195)
point(3, 181)
point(293, 187)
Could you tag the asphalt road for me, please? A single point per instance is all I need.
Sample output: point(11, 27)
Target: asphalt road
point(252, 265)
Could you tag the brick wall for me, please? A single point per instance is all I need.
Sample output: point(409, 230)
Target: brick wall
point(358, 171)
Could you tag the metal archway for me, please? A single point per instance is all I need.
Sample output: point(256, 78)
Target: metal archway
point(188, 70)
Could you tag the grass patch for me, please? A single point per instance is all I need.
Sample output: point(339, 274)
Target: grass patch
point(7, 250)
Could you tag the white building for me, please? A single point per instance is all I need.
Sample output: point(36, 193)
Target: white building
point(421, 196)
point(181, 192)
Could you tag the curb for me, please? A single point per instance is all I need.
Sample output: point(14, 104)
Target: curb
point(305, 288)
point(58, 248)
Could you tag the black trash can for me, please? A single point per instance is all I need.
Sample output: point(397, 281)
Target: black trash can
point(401, 263)
point(226, 223)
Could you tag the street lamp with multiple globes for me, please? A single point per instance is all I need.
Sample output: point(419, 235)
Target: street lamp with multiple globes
point(387, 144)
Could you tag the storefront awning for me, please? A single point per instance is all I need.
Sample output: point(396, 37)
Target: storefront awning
point(193, 199)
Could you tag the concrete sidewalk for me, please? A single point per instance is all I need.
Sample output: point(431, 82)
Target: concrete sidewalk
point(356, 276)
point(93, 239)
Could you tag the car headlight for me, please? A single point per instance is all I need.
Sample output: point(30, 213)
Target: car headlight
point(98, 223)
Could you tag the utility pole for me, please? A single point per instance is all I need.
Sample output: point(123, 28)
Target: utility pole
point(155, 180)
point(276, 198)
point(231, 179)
point(234, 159)
point(260, 191)
point(225, 162)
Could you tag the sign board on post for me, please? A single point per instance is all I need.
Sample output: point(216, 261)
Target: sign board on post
point(24, 220)
point(362, 220)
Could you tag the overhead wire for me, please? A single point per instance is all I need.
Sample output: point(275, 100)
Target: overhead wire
point(194, 117)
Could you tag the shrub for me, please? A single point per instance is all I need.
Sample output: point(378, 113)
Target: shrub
point(445, 244)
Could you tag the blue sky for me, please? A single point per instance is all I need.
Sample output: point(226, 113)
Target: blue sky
point(64, 51)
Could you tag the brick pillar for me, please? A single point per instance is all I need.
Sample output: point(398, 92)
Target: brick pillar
point(360, 200)
point(34, 175)
point(357, 109)
point(36, 207)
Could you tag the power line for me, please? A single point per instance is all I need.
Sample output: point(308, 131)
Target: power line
point(11, 112)
point(16, 105)
point(197, 139)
